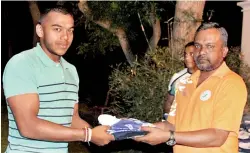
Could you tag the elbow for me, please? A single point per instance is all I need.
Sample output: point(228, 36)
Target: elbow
point(220, 142)
point(24, 133)
point(26, 130)
point(220, 137)
point(214, 143)
point(217, 144)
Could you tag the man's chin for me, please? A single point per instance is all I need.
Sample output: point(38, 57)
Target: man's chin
point(204, 68)
point(61, 52)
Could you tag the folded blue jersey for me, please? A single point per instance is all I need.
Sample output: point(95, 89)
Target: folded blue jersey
point(128, 128)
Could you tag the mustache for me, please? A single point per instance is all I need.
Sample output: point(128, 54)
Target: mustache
point(198, 60)
point(201, 57)
point(62, 43)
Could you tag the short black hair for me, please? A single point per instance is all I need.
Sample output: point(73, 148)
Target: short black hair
point(189, 44)
point(211, 25)
point(58, 9)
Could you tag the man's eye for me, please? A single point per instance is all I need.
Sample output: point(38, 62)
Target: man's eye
point(197, 46)
point(57, 29)
point(71, 30)
point(189, 54)
point(210, 46)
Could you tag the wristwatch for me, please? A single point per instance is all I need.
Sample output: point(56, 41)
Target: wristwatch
point(171, 141)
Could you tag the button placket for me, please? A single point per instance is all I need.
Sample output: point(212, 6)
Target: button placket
point(59, 65)
point(63, 76)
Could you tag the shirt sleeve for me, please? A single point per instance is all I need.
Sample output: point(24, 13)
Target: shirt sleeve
point(18, 77)
point(229, 105)
point(172, 90)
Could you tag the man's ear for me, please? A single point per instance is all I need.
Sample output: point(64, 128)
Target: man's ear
point(39, 30)
point(225, 51)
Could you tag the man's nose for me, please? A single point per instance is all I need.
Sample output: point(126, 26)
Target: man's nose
point(65, 35)
point(202, 50)
point(187, 57)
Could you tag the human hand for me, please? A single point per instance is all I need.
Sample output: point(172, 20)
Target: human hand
point(166, 126)
point(154, 137)
point(161, 125)
point(100, 136)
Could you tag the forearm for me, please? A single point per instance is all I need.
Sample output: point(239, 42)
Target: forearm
point(45, 130)
point(201, 138)
point(77, 122)
point(166, 107)
point(168, 102)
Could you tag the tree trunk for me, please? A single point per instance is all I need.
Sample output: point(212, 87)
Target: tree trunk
point(119, 32)
point(123, 39)
point(35, 13)
point(188, 17)
point(156, 29)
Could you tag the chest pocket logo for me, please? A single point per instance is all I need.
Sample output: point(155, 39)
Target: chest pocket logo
point(205, 95)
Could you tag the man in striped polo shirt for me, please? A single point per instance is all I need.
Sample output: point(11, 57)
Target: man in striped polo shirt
point(41, 89)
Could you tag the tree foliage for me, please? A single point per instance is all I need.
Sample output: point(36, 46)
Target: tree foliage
point(99, 41)
point(120, 15)
point(141, 94)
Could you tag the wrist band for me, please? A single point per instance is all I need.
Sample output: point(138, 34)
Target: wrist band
point(89, 135)
point(86, 137)
point(85, 133)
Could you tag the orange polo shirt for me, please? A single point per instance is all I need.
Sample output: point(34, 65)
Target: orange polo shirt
point(216, 103)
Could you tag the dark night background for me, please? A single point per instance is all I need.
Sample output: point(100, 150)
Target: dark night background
point(17, 29)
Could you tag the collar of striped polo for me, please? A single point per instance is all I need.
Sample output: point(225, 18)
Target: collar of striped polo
point(46, 60)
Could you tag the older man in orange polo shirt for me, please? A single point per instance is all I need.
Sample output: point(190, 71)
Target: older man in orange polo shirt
point(209, 104)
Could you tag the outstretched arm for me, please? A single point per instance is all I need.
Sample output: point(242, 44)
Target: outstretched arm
point(200, 139)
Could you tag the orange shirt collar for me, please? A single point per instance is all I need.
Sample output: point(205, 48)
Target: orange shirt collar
point(220, 72)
